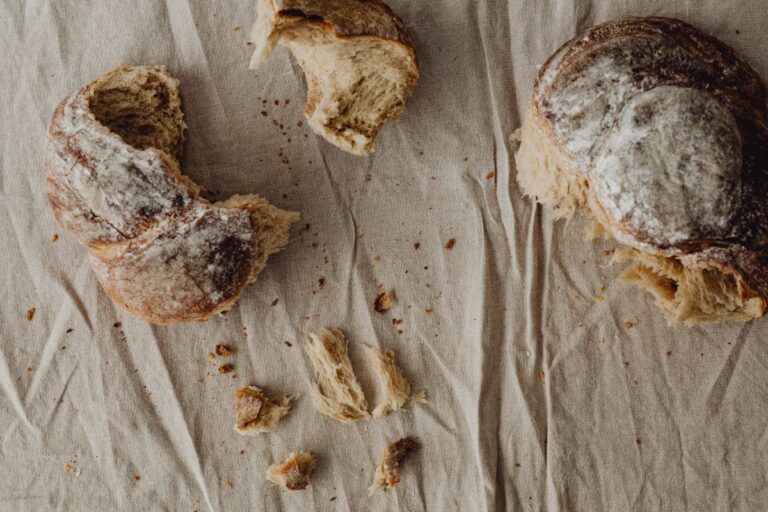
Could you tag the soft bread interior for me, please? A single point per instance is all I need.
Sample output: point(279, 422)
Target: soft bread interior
point(546, 176)
point(272, 223)
point(354, 84)
point(336, 391)
point(142, 105)
point(688, 292)
point(294, 473)
point(255, 413)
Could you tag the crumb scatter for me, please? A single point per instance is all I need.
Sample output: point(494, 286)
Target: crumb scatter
point(384, 301)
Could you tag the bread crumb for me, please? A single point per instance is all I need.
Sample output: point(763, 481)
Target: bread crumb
point(136, 477)
point(294, 473)
point(336, 393)
point(54, 237)
point(211, 356)
point(628, 325)
point(449, 244)
point(229, 485)
point(416, 246)
point(428, 310)
point(255, 413)
point(384, 301)
point(540, 375)
point(30, 314)
point(274, 302)
point(397, 389)
point(490, 175)
point(288, 343)
point(226, 368)
point(387, 474)
point(638, 440)
point(223, 350)
point(669, 353)
point(397, 321)
point(599, 299)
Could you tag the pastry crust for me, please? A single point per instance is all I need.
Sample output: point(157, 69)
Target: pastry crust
point(358, 58)
point(659, 132)
point(159, 249)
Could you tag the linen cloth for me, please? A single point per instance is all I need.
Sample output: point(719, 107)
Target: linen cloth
point(539, 397)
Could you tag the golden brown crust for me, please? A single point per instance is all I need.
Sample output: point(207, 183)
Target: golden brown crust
point(687, 59)
point(348, 18)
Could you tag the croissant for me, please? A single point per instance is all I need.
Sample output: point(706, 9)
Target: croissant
point(159, 249)
point(658, 132)
point(357, 57)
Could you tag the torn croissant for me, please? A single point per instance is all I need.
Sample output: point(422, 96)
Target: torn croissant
point(388, 472)
point(294, 473)
point(357, 57)
point(255, 413)
point(336, 393)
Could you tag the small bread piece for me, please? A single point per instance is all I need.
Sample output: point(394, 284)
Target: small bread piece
point(358, 59)
point(336, 393)
point(113, 179)
point(387, 474)
point(384, 301)
point(294, 473)
point(397, 390)
point(658, 132)
point(255, 413)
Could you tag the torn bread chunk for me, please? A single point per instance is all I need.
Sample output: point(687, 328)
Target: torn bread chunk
point(294, 472)
point(255, 413)
point(336, 392)
point(397, 390)
point(384, 301)
point(159, 248)
point(388, 472)
point(358, 59)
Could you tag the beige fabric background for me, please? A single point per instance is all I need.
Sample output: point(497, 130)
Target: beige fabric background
point(647, 418)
